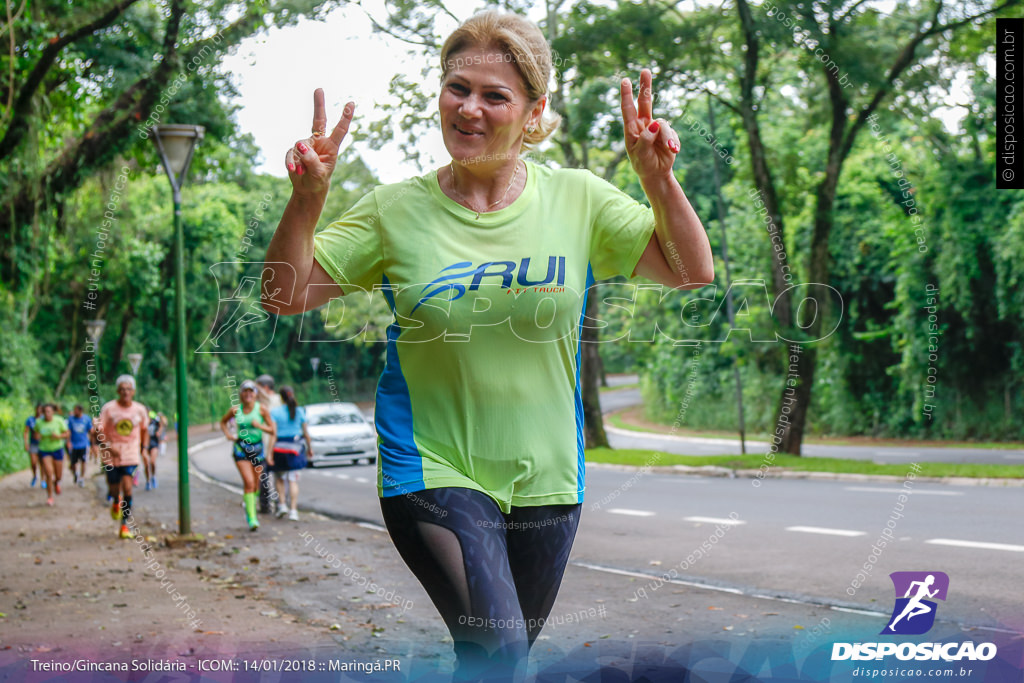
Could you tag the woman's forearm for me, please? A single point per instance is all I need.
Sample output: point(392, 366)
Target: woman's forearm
point(289, 258)
point(682, 238)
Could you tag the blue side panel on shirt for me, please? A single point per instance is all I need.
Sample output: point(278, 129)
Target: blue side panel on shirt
point(400, 460)
point(581, 467)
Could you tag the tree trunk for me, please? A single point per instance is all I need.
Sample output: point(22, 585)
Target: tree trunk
point(590, 362)
point(73, 360)
point(126, 321)
point(791, 415)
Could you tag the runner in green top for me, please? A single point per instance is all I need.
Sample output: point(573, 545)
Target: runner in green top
point(52, 431)
point(251, 420)
point(486, 264)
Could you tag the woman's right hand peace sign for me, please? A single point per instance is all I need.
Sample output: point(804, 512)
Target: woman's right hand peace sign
point(311, 161)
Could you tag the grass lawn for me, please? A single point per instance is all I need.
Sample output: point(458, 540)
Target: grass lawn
point(795, 463)
point(631, 419)
point(634, 385)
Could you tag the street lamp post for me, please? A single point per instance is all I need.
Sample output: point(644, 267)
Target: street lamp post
point(213, 411)
point(135, 360)
point(315, 362)
point(94, 330)
point(176, 143)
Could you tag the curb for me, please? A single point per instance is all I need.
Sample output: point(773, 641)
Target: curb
point(726, 472)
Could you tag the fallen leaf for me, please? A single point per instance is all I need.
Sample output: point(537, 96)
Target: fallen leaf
point(798, 627)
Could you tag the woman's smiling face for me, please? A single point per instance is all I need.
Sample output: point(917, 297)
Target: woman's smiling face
point(484, 107)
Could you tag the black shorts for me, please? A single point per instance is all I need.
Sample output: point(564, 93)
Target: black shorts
point(56, 455)
point(78, 455)
point(116, 474)
point(290, 454)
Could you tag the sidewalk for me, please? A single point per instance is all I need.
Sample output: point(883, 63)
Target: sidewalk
point(71, 588)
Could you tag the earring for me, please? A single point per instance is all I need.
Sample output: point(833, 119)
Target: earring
point(530, 129)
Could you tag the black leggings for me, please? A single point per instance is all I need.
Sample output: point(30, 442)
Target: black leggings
point(492, 576)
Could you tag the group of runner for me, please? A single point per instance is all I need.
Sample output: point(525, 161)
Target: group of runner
point(127, 435)
point(260, 410)
point(124, 435)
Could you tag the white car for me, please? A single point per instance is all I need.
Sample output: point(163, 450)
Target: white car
point(340, 434)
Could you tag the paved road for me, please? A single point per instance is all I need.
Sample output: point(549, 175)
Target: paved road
point(612, 401)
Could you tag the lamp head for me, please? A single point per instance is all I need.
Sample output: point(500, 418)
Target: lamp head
point(176, 143)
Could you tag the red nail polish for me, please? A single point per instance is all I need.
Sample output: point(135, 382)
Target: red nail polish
point(291, 167)
point(654, 127)
point(302, 148)
point(298, 171)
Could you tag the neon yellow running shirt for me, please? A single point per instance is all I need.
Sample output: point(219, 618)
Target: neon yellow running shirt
point(481, 384)
point(49, 433)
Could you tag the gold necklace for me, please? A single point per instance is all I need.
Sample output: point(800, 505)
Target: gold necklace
point(451, 167)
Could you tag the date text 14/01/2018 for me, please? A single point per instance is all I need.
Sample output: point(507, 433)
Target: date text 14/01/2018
point(286, 665)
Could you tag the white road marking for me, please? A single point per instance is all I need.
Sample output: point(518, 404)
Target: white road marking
point(641, 575)
point(926, 492)
point(368, 525)
point(867, 612)
point(823, 530)
point(977, 544)
point(715, 520)
point(342, 476)
point(633, 513)
point(362, 480)
point(774, 598)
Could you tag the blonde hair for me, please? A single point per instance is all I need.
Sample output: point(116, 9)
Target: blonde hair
point(526, 48)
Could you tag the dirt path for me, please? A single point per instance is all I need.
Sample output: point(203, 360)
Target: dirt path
point(70, 587)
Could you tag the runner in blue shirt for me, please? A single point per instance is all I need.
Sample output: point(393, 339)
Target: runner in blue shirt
point(156, 435)
point(291, 447)
point(80, 425)
point(32, 443)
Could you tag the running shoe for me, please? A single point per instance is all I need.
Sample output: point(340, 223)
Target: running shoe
point(154, 482)
point(282, 510)
point(293, 515)
point(254, 523)
point(81, 483)
point(109, 498)
point(115, 509)
point(148, 485)
point(34, 480)
point(49, 501)
point(56, 488)
point(44, 483)
point(126, 532)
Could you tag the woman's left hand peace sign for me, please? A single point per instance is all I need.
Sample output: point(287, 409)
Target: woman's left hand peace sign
point(651, 143)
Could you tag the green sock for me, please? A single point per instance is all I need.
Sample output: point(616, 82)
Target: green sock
point(250, 506)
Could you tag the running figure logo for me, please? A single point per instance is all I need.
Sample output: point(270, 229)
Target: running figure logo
point(913, 613)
